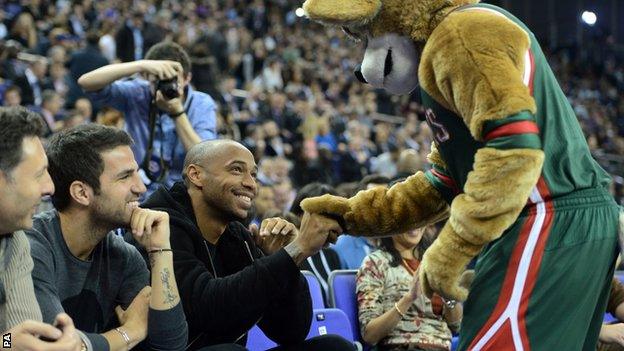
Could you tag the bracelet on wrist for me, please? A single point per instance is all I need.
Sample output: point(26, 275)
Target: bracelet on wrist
point(450, 304)
point(396, 308)
point(125, 336)
point(159, 251)
point(176, 115)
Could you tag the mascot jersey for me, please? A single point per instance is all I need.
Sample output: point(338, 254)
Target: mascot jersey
point(516, 307)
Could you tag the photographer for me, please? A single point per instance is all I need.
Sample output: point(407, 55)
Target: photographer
point(163, 114)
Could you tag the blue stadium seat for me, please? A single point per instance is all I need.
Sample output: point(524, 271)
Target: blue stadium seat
point(620, 275)
point(257, 341)
point(315, 290)
point(330, 321)
point(342, 296)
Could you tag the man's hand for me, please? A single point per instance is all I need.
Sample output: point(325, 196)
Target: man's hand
point(169, 106)
point(161, 69)
point(612, 334)
point(150, 228)
point(134, 319)
point(274, 234)
point(315, 232)
point(26, 335)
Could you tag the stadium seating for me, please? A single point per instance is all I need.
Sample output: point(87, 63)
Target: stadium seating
point(315, 290)
point(342, 296)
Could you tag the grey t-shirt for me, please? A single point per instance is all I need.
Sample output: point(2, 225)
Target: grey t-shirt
point(89, 290)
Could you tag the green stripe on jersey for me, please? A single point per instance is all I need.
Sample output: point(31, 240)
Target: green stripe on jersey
point(518, 141)
point(447, 193)
point(489, 126)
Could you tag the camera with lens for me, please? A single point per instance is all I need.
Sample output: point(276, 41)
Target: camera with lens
point(168, 87)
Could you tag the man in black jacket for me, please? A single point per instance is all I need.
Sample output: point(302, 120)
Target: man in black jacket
point(226, 281)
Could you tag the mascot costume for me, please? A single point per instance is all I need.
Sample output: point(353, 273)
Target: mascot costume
point(510, 170)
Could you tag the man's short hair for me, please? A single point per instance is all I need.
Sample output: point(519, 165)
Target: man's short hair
point(16, 123)
point(310, 190)
point(75, 154)
point(373, 179)
point(170, 51)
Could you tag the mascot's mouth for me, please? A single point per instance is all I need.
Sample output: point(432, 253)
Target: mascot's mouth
point(387, 68)
point(388, 63)
point(391, 63)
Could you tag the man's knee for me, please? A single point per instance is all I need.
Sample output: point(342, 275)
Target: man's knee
point(329, 343)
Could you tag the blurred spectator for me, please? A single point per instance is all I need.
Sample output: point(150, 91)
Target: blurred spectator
point(129, 41)
point(111, 117)
point(34, 82)
point(386, 162)
point(12, 96)
point(83, 61)
point(408, 164)
point(284, 194)
point(264, 203)
point(24, 31)
point(50, 111)
point(84, 108)
point(107, 43)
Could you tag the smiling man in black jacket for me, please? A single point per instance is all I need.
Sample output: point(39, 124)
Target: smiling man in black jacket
point(227, 282)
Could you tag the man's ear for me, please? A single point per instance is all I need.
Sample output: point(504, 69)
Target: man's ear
point(342, 12)
point(193, 173)
point(81, 193)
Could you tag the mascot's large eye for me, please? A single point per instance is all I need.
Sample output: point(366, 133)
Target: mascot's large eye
point(354, 35)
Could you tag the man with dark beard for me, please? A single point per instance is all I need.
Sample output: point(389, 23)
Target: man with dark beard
point(82, 268)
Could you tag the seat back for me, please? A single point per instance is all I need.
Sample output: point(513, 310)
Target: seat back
point(315, 290)
point(330, 321)
point(342, 296)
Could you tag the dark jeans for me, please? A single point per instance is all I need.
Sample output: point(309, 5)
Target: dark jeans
point(223, 347)
point(319, 343)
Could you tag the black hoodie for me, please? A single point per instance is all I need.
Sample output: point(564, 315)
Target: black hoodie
point(228, 287)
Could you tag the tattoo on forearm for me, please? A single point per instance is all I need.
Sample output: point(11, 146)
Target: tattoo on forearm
point(170, 297)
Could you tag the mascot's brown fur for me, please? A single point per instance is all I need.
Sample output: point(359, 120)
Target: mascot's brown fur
point(450, 44)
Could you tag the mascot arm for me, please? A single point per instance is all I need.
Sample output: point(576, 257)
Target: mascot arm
point(474, 65)
point(415, 202)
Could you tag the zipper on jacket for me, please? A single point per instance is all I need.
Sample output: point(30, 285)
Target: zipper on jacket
point(214, 271)
point(249, 251)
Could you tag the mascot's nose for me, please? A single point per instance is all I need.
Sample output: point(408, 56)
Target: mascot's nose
point(359, 75)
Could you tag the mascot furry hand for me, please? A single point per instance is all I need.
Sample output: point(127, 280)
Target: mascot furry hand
point(487, 155)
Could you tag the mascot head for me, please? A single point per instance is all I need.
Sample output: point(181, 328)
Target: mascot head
point(394, 32)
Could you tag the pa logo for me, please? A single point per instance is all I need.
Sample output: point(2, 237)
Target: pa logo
point(6, 341)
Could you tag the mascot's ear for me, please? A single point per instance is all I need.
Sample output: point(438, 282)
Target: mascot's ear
point(342, 12)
